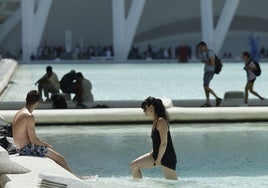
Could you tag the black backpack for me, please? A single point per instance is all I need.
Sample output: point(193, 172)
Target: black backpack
point(257, 72)
point(218, 64)
point(59, 102)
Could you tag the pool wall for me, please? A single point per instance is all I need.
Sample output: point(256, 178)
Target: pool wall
point(135, 115)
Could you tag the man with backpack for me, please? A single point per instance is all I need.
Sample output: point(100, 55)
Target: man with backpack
point(208, 57)
point(253, 70)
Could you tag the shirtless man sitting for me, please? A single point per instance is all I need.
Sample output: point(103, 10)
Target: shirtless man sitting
point(24, 135)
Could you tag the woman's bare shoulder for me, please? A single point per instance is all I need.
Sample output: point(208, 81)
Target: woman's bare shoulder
point(162, 124)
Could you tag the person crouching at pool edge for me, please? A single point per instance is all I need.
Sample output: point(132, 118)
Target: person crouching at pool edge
point(163, 153)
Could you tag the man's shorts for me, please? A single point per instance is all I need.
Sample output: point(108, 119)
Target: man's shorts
point(252, 81)
point(208, 77)
point(33, 150)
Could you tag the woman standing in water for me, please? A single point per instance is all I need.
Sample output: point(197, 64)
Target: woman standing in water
point(163, 153)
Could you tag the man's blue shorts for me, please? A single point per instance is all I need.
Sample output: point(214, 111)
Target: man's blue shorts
point(208, 77)
point(33, 150)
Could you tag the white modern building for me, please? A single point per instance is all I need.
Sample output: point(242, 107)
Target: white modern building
point(224, 24)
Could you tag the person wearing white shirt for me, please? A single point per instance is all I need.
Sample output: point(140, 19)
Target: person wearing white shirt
point(83, 90)
point(49, 83)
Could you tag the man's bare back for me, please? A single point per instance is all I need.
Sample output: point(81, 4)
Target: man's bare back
point(22, 120)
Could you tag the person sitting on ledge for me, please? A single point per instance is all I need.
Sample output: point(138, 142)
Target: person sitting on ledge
point(24, 134)
point(67, 82)
point(83, 90)
point(49, 83)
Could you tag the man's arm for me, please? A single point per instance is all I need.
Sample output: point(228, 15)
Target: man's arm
point(31, 133)
point(212, 60)
point(42, 78)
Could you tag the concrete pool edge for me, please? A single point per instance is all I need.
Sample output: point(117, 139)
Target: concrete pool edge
point(15, 105)
point(41, 169)
point(135, 115)
point(7, 68)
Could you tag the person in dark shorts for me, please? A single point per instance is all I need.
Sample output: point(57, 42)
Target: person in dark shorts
point(163, 153)
point(33, 150)
point(250, 67)
point(23, 129)
point(208, 58)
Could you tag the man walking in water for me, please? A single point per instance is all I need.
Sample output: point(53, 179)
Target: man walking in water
point(250, 67)
point(24, 135)
point(208, 58)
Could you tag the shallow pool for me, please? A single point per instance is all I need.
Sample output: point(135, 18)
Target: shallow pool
point(137, 81)
point(210, 155)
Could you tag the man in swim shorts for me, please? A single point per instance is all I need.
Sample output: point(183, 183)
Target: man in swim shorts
point(24, 135)
point(33, 150)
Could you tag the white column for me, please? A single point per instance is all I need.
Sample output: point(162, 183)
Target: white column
point(124, 28)
point(207, 22)
point(33, 24)
point(10, 24)
point(118, 28)
point(224, 23)
point(27, 28)
point(40, 22)
point(131, 24)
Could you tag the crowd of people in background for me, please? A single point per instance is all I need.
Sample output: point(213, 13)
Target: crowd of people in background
point(181, 53)
point(48, 52)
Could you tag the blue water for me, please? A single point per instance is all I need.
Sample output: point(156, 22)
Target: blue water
point(140, 80)
point(210, 155)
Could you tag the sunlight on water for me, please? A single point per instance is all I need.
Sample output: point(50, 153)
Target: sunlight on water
point(138, 81)
point(230, 182)
point(209, 155)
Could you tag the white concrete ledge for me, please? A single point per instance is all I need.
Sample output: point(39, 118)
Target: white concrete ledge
point(15, 105)
point(36, 165)
point(7, 68)
point(136, 115)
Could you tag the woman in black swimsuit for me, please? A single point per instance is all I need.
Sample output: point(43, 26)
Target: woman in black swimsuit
point(163, 153)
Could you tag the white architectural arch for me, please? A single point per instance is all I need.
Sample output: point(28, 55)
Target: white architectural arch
point(127, 22)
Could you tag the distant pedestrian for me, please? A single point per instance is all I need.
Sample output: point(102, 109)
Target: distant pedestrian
point(250, 67)
point(208, 58)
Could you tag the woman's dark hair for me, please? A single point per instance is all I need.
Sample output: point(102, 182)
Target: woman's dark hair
point(159, 108)
point(32, 97)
